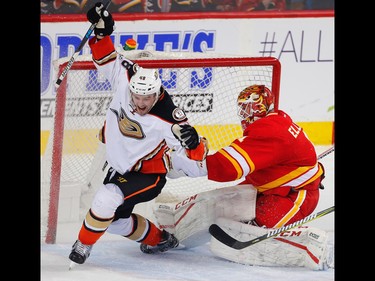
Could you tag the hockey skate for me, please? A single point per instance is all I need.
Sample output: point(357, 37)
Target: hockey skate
point(169, 242)
point(80, 252)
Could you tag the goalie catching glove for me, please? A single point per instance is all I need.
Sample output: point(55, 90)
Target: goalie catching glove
point(196, 147)
point(102, 18)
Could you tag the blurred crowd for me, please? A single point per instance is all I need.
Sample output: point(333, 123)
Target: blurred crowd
point(151, 6)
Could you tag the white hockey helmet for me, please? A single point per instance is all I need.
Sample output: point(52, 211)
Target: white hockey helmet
point(145, 82)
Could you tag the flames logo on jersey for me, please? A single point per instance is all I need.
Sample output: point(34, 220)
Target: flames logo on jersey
point(128, 127)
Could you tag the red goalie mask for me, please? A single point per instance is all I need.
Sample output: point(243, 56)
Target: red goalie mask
point(254, 102)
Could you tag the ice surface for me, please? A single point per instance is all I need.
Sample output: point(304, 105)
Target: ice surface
point(115, 258)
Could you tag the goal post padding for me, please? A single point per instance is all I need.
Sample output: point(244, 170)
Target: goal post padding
point(204, 85)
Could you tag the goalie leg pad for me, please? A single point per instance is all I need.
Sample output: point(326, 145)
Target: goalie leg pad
point(304, 246)
point(190, 219)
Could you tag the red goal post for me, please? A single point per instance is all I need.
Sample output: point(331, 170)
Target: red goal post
point(204, 85)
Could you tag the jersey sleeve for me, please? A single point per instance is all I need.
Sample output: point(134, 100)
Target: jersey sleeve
point(111, 64)
point(272, 144)
point(240, 158)
point(103, 51)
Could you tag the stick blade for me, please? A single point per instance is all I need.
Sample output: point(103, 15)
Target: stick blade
point(218, 233)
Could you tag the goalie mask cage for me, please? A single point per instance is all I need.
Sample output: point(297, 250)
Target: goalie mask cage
point(205, 86)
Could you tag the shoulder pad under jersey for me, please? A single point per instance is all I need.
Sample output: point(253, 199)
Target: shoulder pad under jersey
point(167, 110)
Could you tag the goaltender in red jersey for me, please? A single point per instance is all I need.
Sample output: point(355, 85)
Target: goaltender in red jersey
point(276, 158)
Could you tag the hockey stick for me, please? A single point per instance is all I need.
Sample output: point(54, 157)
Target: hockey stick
point(76, 52)
point(325, 153)
point(217, 232)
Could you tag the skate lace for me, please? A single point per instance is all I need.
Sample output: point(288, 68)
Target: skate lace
point(82, 249)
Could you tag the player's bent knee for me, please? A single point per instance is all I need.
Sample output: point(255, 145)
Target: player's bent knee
point(106, 200)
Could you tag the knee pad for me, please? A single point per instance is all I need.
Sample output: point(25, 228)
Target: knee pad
point(106, 200)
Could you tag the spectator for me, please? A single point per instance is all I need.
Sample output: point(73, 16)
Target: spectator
point(59, 7)
point(265, 5)
point(319, 4)
point(296, 4)
point(262, 5)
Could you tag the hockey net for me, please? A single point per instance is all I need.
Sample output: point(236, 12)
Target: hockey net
point(205, 86)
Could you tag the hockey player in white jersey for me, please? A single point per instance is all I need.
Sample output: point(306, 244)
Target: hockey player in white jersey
point(137, 134)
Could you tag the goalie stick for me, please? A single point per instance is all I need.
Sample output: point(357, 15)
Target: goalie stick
point(325, 153)
point(217, 232)
point(76, 52)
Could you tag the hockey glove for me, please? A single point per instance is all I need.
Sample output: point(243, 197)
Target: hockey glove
point(103, 19)
point(187, 135)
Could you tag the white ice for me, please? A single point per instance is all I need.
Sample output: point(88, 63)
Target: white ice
point(115, 258)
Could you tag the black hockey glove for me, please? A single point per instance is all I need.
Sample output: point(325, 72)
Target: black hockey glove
point(103, 18)
point(187, 135)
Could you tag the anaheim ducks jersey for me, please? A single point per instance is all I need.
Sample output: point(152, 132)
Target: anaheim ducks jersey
point(273, 152)
point(134, 142)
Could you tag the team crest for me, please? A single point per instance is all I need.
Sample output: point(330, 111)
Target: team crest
point(178, 114)
point(128, 127)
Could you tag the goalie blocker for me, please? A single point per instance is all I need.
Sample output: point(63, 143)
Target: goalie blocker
point(229, 207)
